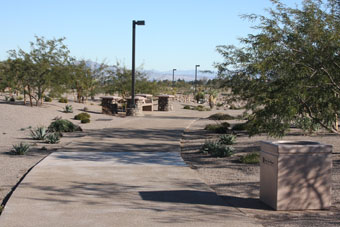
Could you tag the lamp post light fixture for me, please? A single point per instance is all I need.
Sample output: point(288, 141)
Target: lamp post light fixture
point(173, 77)
point(134, 23)
point(196, 77)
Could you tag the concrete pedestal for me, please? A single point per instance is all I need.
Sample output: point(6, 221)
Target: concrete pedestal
point(165, 102)
point(295, 175)
point(138, 109)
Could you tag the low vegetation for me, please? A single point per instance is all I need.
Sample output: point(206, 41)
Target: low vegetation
point(216, 149)
point(63, 100)
point(227, 139)
point(82, 116)
point(240, 127)
point(63, 125)
point(47, 99)
point(252, 158)
point(218, 128)
point(39, 133)
point(20, 149)
point(68, 109)
point(198, 108)
point(84, 121)
point(221, 117)
point(53, 138)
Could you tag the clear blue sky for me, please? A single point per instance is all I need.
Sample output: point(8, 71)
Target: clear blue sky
point(178, 33)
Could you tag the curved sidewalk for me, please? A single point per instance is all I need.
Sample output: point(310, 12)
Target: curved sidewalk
point(123, 176)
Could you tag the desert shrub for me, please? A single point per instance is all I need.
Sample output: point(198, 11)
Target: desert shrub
point(52, 138)
point(252, 158)
point(86, 109)
point(187, 107)
point(214, 148)
point(63, 100)
point(85, 120)
point(199, 96)
point(307, 124)
point(200, 108)
point(63, 125)
point(20, 149)
point(12, 99)
point(218, 128)
point(227, 139)
point(240, 127)
point(47, 99)
point(19, 98)
point(39, 133)
point(82, 116)
point(68, 109)
point(6, 98)
point(221, 117)
point(219, 104)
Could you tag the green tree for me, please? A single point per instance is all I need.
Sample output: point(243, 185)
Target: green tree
point(118, 80)
point(39, 67)
point(289, 71)
point(84, 79)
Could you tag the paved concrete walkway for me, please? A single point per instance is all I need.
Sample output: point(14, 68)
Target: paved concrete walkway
point(123, 176)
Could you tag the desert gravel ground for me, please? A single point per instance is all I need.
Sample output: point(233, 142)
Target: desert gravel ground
point(238, 183)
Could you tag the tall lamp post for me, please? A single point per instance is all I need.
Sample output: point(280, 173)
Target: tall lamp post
point(196, 77)
point(173, 77)
point(134, 23)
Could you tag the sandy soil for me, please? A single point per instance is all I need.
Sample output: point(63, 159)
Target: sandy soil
point(238, 183)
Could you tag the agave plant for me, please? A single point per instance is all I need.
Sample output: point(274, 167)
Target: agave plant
point(39, 133)
point(227, 139)
point(68, 109)
point(20, 149)
point(52, 138)
point(216, 149)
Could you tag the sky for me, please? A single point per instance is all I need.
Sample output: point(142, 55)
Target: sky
point(177, 33)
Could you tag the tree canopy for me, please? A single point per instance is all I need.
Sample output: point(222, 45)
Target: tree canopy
point(288, 72)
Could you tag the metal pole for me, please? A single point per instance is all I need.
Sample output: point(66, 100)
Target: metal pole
point(133, 64)
point(173, 77)
point(196, 77)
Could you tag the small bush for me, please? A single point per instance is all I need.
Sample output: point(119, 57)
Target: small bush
point(47, 99)
point(63, 100)
point(86, 109)
point(19, 98)
point(214, 148)
point(219, 104)
point(6, 98)
point(218, 128)
point(62, 125)
point(52, 138)
point(85, 120)
point(227, 139)
point(252, 158)
point(12, 99)
point(20, 149)
point(68, 109)
point(187, 107)
point(39, 133)
point(199, 108)
point(82, 116)
point(240, 127)
point(221, 117)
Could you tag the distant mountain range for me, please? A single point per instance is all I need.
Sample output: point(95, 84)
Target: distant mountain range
point(187, 75)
